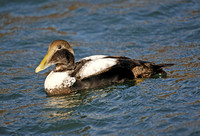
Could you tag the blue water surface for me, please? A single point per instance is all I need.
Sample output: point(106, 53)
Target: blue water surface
point(160, 31)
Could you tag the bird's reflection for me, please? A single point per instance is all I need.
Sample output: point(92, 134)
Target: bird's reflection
point(68, 101)
point(62, 107)
point(65, 107)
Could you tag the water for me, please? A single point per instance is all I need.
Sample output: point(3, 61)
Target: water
point(158, 30)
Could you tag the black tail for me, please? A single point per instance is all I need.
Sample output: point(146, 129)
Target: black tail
point(143, 69)
point(158, 71)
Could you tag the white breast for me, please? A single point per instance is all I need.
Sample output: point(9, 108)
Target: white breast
point(97, 65)
point(58, 80)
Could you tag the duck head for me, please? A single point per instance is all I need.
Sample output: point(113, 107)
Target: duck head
point(61, 54)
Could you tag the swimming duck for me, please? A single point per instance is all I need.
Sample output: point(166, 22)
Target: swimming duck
point(91, 72)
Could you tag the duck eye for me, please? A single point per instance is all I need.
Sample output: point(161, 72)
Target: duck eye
point(59, 47)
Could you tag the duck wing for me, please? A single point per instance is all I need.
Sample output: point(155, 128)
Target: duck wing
point(123, 66)
point(97, 71)
point(93, 65)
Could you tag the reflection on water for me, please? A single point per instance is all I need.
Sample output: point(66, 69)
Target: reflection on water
point(68, 101)
point(164, 31)
point(66, 105)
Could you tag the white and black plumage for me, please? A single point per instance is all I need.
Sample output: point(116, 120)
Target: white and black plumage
point(90, 72)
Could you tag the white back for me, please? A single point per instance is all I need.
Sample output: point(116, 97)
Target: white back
point(96, 65)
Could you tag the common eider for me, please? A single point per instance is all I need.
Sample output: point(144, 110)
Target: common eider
point(91, 72)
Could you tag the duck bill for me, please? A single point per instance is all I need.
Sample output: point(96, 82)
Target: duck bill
point(45, 62)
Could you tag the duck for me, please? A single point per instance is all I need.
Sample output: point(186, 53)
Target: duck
point(91, 72)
